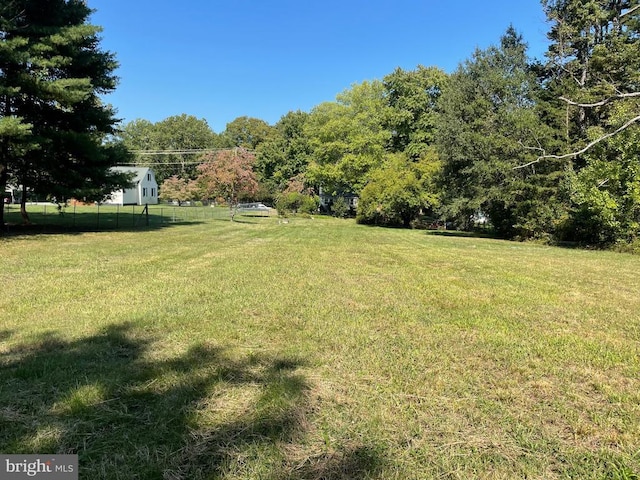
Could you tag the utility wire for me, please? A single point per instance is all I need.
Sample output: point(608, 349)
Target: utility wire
point(185, 151)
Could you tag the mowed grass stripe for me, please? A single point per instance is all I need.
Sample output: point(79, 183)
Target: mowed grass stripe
point(319, 349)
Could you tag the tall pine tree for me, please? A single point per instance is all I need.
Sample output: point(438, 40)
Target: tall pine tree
point(594, 75)
point(488, 113)
point(52, 121)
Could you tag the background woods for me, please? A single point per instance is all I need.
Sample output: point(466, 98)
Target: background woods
point(527, 148)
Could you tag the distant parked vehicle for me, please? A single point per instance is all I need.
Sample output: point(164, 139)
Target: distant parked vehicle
point(249, 208)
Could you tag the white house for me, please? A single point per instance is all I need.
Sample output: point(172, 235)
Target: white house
point(143, 192)
point(11, 194)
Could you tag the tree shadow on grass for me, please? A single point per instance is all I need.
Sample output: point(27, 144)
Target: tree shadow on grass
point(463, 234)
point(36, 228)
point(236, 219)
point(350, 463)
point(129, 414)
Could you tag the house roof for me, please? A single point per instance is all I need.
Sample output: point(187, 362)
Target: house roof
point(139, 172)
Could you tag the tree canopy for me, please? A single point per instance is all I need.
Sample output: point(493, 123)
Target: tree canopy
point(53, 122)
point(413, 114)
point(594, 73)
point(173, 138)
point(246, 132)
point(487, 115)
point(229, 175)
point(285, 154)
point(541, 148)
point(348, 138)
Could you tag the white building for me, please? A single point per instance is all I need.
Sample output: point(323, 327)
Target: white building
point(11, 194)
point(143, 192)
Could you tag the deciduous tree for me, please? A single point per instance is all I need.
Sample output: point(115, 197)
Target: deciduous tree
point(413, 98)
point(174, 138)
point(285, 154)
point(246, 132)
point(348, 138)
point(228, 174)
point(399, 190)
point(178, 189)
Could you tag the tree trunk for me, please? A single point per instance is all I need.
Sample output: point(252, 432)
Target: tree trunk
point(23, 207)
point(4, 173)
point(3, 188)
point(233, 204)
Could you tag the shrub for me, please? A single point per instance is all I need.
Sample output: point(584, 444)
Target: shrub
point(340, 208)
point(294, 202)
point(309, 204)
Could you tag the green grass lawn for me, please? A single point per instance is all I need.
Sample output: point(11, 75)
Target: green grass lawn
point(47, 218)
point(318, 349)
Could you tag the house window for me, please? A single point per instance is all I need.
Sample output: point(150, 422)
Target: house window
point(153, 192)
point(148, 176)
point(144, 191)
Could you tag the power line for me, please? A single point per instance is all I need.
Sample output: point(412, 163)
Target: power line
point(188, 151)
point(184, 151)
point(172, 152)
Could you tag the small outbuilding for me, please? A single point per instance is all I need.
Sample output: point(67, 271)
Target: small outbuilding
point(143, 192)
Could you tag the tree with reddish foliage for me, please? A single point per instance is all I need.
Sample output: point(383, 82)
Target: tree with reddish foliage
point(228, 174)
point(178, 189)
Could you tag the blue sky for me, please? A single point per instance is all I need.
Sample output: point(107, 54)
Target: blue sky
point(219, 60)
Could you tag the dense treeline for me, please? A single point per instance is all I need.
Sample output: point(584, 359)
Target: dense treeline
point(524, 147)
point(529, 148)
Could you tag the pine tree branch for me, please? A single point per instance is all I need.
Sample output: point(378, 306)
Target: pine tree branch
point(602, 102)
point(630, 11)
point(567, 71)
point(582, 150)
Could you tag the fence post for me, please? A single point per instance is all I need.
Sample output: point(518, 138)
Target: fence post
point(117, 216)
point(133, 214)
point(98, 227)
point(74, 214)
point(146, 209)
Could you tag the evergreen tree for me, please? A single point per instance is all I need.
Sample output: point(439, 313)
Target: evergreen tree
point(594, 78)
point(488, 114)
point(52, 121)
point(593, 57)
